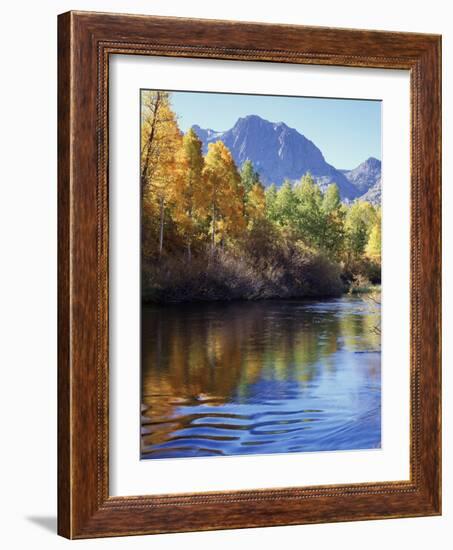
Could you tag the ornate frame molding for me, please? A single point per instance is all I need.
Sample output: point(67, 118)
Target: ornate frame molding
point(86, 40)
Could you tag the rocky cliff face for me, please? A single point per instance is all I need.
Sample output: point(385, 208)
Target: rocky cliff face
point(366, 175)
point(373, 194)
point(279, 152)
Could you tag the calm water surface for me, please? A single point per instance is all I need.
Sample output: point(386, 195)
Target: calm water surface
point(260, 377)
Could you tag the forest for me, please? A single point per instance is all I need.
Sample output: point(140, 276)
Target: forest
point(212, 231)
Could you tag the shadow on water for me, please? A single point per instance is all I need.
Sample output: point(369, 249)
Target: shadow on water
point(260, 377)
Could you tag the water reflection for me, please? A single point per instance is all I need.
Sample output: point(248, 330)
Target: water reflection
point(260, 377)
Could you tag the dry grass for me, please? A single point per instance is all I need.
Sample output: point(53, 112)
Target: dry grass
point(287, 272)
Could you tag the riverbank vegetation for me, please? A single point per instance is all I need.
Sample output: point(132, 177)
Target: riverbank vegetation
point(212, 231)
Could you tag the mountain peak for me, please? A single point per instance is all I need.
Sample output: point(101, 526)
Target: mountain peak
point(206, 134)
point(279, 152)
point(365, 175)
point(372, 161)
point(253, 118)
point(250, 120)
point(257, 120)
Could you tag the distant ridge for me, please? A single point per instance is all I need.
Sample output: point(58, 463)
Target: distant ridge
point(366, 178)
point(279, 152)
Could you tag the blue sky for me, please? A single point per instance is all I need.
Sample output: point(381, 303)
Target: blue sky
point(347, 131)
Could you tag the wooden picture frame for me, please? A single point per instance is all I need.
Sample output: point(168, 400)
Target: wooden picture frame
point(85, 42)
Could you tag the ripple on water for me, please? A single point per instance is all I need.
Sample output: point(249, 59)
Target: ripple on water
point(274, 377)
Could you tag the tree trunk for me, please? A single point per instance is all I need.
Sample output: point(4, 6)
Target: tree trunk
point(144, 175)
point(189, 242)
point(161, 230)
point(189, 252)
point(213, 229)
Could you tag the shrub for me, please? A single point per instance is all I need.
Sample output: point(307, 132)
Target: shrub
point(283, 272)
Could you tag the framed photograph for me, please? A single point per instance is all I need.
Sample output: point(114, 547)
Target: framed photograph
point(249, 275)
